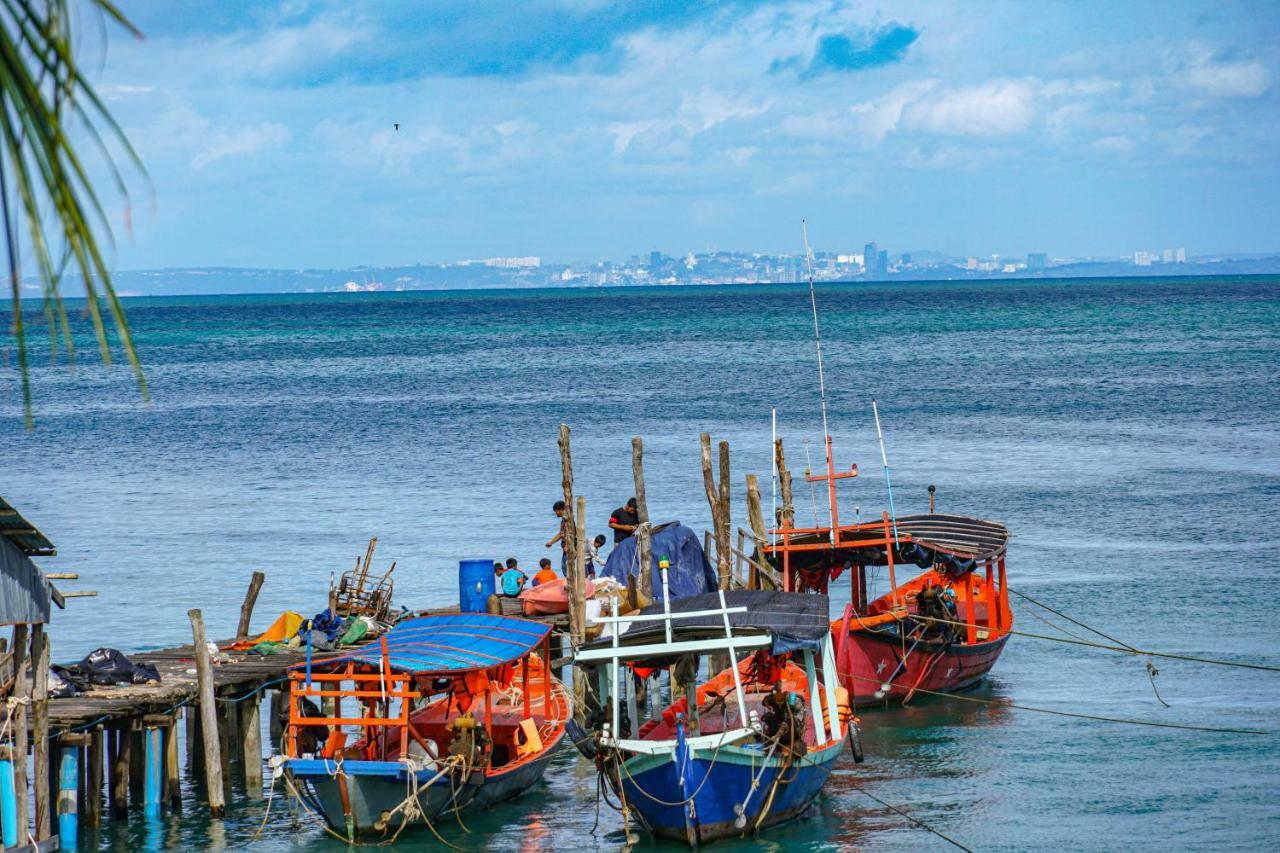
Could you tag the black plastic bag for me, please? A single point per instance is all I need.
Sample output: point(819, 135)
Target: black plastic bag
point(106, 667)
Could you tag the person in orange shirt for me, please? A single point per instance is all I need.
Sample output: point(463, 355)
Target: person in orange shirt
point(545, 574)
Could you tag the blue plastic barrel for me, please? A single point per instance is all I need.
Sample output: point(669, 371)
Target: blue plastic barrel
point(475, 585)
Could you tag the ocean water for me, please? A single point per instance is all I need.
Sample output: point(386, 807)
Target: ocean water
point(1127, 431)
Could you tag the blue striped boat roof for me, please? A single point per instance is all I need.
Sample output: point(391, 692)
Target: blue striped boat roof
point(452, 643)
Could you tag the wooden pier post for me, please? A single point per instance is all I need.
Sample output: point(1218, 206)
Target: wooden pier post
point(21, 691)
point(137, 762)
point(172, 775)
point(40, 730)
point(93, 779)
point(718, 500)
point(208, 718)
point(153, 767)
point(644, 552)
point(759, 532)
point(120, 763)
point(251, 746)
point(566, 485)
point(246, 609)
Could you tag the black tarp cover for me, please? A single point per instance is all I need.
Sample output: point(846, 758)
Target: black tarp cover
point(794, 620)
point(689, 572)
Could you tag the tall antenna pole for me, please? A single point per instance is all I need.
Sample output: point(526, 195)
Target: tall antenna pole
point(822, 388)
point(773, 453)
point(884, 457)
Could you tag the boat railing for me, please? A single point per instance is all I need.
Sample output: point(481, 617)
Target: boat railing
point(384, 686)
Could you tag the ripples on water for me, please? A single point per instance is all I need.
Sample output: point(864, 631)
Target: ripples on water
point(1128, 432)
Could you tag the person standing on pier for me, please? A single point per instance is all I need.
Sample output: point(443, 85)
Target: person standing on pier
point(563, 537)
point(624, 520)
point(594, 560)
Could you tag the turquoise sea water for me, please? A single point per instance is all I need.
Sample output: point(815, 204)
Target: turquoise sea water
point(1128, 432)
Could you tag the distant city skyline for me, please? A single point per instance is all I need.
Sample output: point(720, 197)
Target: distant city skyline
point(331, 134)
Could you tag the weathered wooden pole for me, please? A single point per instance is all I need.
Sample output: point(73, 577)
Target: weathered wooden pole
point(576, 581)
point(784, 486)
point(40, 730)
point(251, 748)
point(172, 774)
point(93, 779)
point(226, 742)
point(208, 718)
point(120, 762)
point(137, 763)
point(566, 485)
point(246, 609)
point(644, 541)
point(759, 532)
point(718, 500)
point(21, 692)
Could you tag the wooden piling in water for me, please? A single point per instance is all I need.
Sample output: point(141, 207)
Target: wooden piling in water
point(251, 746)
point(40, 731)
point(93, 779)
point(68, 789)
point(120, 762)
point(137, 763)
point(644, 552)
point(246, 609)
point(22, 692)
point(172, 775)
point(759, 532)
point(208, 718)
point(718, 500)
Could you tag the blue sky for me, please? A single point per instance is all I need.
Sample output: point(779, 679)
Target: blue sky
point(580, 131)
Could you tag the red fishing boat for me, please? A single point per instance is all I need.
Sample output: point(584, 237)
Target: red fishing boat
point(939, 631)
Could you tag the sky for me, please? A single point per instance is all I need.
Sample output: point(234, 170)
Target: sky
point(580, 131)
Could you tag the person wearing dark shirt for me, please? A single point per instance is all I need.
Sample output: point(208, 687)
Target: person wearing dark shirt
point(624, 521)
point(563, 537)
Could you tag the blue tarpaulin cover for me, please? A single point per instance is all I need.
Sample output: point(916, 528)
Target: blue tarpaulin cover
point(689, 572)
point(452, 644)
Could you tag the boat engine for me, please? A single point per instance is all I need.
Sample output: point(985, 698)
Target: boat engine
point(470, 741)
point(783, 720)
point(933, 602)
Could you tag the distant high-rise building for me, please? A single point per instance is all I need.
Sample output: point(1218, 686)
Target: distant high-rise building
point(1142, 259)
point(972, 264)
point(1181, 256)
point(655, 260)
point(1166, 256)
point(1037, 261)
point(870, 257)
point(882, 263)
point(906, 259)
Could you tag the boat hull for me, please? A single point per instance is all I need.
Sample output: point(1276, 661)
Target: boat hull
point(867, 660)
point(376, 788)
point(715, 785)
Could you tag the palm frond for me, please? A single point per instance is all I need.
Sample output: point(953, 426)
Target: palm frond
point(42, 95)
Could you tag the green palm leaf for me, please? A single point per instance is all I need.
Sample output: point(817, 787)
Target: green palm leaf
point(48, 202)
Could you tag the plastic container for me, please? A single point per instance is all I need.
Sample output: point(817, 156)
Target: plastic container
point(475, 585)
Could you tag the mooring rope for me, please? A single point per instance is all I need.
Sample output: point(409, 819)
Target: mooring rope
point(1075, 714)
point(914, 820)
point(1128, 650)
point(1105, 636)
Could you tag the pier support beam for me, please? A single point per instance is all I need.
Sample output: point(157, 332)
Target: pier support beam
point(69, 789)
point(40, 730)
point(120, 762)
point(251, 746)
point(137, 763)
point(172, 776)
point(208, 718)
point(246, 609)
point(21, 690)
point(153, 764)
point(93, 779)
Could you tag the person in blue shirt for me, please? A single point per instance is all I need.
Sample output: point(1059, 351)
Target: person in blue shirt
point(512, 579)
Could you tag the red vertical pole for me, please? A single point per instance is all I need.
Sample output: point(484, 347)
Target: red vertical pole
point(831, 493)
point(1006, 618)
point(524, 663)
point(546, 677)
point(888, 549)
point(993, 606)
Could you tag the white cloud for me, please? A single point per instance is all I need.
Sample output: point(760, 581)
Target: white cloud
point(248, 140)
point(1241, 79)
point(707, 108)
point(1116, 144)
point(994, 108)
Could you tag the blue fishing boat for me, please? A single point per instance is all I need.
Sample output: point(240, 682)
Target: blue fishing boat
point(748, 747)
point(446, 714)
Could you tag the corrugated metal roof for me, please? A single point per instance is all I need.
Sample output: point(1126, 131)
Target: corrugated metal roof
point(23, 534)
point(453, 643)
